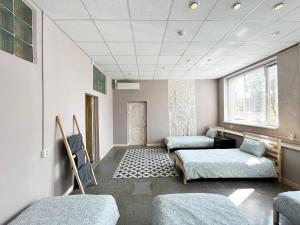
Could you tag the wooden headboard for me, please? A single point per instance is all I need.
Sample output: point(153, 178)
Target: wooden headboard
point(220, 129)
point(273, 149)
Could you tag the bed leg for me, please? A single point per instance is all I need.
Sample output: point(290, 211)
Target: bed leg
point(184, 179)
point(275, 217)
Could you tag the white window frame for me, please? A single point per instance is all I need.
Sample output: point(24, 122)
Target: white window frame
point(265, 63)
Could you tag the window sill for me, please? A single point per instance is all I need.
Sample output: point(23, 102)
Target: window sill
point(251, 125)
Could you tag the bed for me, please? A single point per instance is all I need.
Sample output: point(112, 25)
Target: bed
point(231, 163)
point(70, 210)
point(195, 209)
point(191, 142)
point(287, 204)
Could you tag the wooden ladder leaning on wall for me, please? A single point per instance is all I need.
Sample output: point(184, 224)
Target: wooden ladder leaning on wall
point(72, 156)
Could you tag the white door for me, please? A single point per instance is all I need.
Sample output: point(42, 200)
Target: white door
point(137, 123)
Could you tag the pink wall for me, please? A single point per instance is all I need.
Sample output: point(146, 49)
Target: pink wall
point(25, 176)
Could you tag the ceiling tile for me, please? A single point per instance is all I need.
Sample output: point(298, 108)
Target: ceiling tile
point(109, 68)
point(247, 31)
point(148, 31)
point(150, 60)
point(108, 9)
point(94, 48)
point(79, 30)
point(147, 68)
point(163, 73)
point(188, 60)
point(181, 10)
point(293, 15)
point(189, 29)
point(168, 60)
point(147, 48)
point(114, 74)
point(266, 11)
point(223, 10)
point(199, 48)
point(62, 9)
point(164, 67)
point(214, 30)
point(280, 28)
point(115, 30)
point(104, 60)
point(292, 37)
point(125, 48)
point(129, 68)
point(173, 48)
point(182, 67)
point(146, 73)
point(149, 10)
point(128, 59)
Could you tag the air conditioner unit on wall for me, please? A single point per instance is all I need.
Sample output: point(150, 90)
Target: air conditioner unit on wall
point(127, 86)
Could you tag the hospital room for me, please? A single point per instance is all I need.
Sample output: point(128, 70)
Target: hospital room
point(150, 112)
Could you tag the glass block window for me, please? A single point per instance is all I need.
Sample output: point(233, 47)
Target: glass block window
point(99, 81)
point(16, 28)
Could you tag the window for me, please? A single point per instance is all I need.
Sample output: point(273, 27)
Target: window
point(99, 80)
point(252, 97)
point(16, 28)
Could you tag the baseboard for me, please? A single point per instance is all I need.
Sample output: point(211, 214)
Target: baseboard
point(69, 190)
point(155, 145)
point(120, 145)
point(290, 183)
point(106, 152)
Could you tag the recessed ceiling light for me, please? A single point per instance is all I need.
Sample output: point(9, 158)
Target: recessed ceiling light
point(180, 32)
point(236, 6)
point(278, 6)
point(276, 33)
point(194, 5)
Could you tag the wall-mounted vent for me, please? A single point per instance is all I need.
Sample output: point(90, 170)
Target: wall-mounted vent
point(127, 86)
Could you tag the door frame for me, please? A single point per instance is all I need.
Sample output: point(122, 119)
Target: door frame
point(95, 127)
point(146, 117)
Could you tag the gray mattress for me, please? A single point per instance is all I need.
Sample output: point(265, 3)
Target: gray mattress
point(195, 209)
point(288, 204)
point(225, 163)
point(71, 210)
point(188, 142)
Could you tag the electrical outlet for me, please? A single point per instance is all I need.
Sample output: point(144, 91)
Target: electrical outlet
point(44, 153)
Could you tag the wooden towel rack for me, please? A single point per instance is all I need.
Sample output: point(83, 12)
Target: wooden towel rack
point(73, 156)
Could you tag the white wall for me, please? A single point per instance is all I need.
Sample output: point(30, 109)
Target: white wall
point(25, 177)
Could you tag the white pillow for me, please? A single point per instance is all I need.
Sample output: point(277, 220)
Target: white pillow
point(257, 148)
point(211, 132)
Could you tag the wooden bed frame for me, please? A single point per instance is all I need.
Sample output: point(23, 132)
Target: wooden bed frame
point(273, 152)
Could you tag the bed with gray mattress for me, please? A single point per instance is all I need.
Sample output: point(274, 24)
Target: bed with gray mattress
point(71, 210)
point(224, 163)
point(183, 142)
point(195, 209)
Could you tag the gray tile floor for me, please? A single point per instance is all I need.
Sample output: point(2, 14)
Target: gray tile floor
point(134, 196)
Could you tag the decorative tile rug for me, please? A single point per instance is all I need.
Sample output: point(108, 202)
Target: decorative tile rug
point(145, 162)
